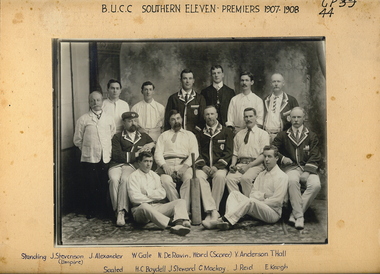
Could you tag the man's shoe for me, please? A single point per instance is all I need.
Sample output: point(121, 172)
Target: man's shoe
point(120, 218)
point(299, 223)
point(224, 226)
point(292, 220)
point(180, 230)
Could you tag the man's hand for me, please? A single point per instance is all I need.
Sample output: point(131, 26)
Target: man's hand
point(167, 169)
point(213, 171)
point(182, 170)
point(233, 169)
point(287, 161)
point(147, 147)
point(207, 170)
point(243, 169)
point(304, 176)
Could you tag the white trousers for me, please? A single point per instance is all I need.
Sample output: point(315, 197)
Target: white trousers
point(239, 205)
point(245, 180)
point(118, 176)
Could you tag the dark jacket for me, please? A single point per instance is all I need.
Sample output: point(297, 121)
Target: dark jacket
point(191, 112)
point(221, 149)
point(287, 104)
point(304, 154)
point(223, 95)
point(124, 149)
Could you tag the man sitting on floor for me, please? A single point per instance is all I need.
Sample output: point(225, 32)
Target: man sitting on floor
point(265, 200)
point(148, 198)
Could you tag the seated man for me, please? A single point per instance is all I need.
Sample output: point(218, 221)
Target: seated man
point(265, 200)
point(247, 157)
point(215, 153)
point(148, 198)
point(126, 146)
point(299, 153)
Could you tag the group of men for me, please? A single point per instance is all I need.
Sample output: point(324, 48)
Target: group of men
point(237, 140)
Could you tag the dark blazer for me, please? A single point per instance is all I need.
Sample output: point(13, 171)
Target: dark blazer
point(191, 112)
point(124, 149)
point(304, 153)
point(287, 104)
point(224, 95)
point(222, 147)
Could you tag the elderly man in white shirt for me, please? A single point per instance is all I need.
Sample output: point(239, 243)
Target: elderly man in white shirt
point(93, 134)
point(113, 105)
point(148, 198)
point(173, 157)
point(151, 113)
point(265, 200)
point(247, 98)
point(247, 159)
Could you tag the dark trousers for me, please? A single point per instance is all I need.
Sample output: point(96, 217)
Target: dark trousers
point(95, 182)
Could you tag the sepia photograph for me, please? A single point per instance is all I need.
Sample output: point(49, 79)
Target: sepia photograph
point(190, 142)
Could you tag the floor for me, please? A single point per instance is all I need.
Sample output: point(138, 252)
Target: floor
point(77, 230)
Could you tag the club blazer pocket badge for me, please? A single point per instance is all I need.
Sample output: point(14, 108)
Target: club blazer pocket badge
point(195, 107)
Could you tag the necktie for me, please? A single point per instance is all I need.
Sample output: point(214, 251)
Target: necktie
point(247, 136)
point(297, 135)
point(187, 97)
point(174, 137)
point(210, 131)
point(274, 104)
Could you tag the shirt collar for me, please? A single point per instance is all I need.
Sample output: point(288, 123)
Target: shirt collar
point(217, 86)
point(213, 127)
point(184, 92)
point(295, 129)
point(279, 96)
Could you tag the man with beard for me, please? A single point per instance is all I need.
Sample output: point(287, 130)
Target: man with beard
point(113, 105)
point(247, 98)
point(300, 157)
point(126, 146)
point(93, 134)
point(277, 108)
point(173, 157)
point(218, 94)
point(188, 103)
point(264, 201)
point(247, 159)
point(215, 149)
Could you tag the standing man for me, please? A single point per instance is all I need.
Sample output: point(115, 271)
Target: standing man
point(173, 157)
point(218, 94)
point(151, 113)
point(247, 98)
point(148, 198)
point(126, 147)
point(215, 148)
point(113, 105)
point(93, 134)
point(299, 153)
point(277, 107)
point(188, 103)
point(265, 200)
point(247, 159)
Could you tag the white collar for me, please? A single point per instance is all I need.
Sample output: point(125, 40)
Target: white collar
point(217, 86)
point(300, 129)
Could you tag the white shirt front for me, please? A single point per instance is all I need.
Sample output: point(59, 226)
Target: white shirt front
point(144, 187)
point(235, 116)
point(115, 110)
point(257, 140)
point(217, 86)
point(273, 119)
point(151, 115)
point(185, 144)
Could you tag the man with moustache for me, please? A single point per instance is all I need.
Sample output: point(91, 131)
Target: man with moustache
point(300, 157)
point(173, 158)
point(151, 113)
point(93, 134)
point(264, 201)
point(247, 159)
point(277, 107)
point(126, 147)
point(148, 199)
point(188, 103)
point(215, 149)
point(235, 118)
point(113, 105)
point(218, 94)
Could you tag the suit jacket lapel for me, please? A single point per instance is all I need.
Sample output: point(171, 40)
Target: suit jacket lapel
point(267, 101)
point(284, 101)
point(303, 136)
